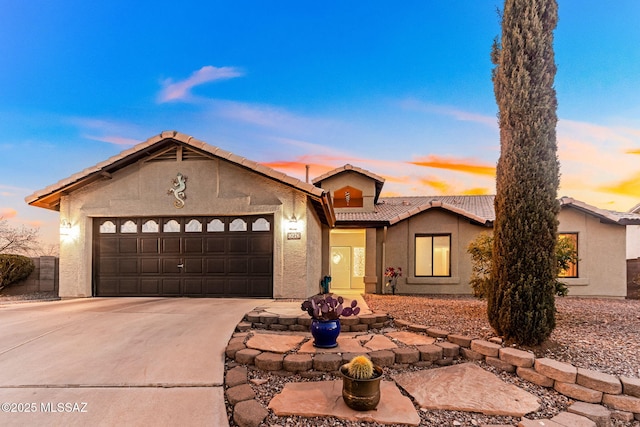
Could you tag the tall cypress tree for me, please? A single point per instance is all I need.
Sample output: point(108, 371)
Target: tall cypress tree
point(521, 304)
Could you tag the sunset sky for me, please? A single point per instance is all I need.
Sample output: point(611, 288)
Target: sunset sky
point(402, 89)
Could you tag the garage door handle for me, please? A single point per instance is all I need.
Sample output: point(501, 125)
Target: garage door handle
point(180, 265)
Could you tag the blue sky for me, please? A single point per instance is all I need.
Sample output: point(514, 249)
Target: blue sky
point(402, 89)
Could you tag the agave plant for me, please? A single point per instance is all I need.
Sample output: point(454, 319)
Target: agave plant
point(329, 308)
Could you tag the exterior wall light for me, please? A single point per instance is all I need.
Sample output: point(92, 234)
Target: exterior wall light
point(65, 228)
point(293, 223)
point(293, 231)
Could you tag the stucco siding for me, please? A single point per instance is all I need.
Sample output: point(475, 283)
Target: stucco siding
point(372, 265)
point(301, 258)
point(75, 251)
point(633, 241)
point(314, 232)
point(602, 270)
point(214, 187)
point(400, 252)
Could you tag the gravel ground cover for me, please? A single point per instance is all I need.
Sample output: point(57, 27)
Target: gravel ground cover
point(597, 334)
point(6, 298)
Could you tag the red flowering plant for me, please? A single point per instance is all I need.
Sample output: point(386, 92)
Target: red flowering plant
point(393, 273)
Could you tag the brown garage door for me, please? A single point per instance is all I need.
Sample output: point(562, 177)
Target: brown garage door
point(184, 256)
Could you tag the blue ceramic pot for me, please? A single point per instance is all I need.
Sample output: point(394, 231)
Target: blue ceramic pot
point(325, 333)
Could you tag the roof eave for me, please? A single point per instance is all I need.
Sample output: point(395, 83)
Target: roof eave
point(51, 199)
point(325, 209)
point(445, 206)
point(361, 223)
point(604, 216)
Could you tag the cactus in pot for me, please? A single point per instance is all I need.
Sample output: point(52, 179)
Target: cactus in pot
point(361, 384)
point(329, 308)
point(360, 368)
point(325, 312)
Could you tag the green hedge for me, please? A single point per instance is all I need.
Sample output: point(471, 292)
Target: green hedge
point(14, 268)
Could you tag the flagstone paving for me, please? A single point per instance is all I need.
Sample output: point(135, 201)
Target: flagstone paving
point(347, 342)
point(345, 345)
point(378, 342)
point(410, 338)
point(466, 387)
point(274, 343)
point(324, 398)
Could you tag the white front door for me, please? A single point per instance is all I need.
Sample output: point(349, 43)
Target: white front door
point(347, 259)
point(341, 267)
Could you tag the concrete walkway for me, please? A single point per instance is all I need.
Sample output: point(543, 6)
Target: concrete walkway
point(118, 361)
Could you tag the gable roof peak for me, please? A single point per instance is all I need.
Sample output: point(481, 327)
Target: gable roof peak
point(349, 167)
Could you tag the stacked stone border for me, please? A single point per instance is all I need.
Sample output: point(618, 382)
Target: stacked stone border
point(600, 396)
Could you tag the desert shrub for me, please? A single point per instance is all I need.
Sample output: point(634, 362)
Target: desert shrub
point(481, 251)
point(14, 268)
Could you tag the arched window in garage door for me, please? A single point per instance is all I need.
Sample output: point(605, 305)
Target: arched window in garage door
point(193, 226)
point(238, 224)
point(215, 226)
point(171, 226)
point(261, 224)
point(150, 226)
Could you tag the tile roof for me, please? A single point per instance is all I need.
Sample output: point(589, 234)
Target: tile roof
point(345, 168)
point(391, 210)
point(624, 218)
point(480, 209)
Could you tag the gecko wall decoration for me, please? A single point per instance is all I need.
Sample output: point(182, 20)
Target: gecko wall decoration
point(179, 186)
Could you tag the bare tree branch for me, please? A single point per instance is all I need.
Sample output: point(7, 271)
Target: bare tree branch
point(18, 240)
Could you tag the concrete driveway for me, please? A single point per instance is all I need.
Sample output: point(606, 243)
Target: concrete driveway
point(116, 361)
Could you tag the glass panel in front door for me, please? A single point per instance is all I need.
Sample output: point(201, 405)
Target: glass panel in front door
point(341, 267)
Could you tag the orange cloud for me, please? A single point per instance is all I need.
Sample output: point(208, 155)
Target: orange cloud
point(385, 193)
point(628, 187)
point(298, 167)
point(476, 192)
point(442, 186)
point(397, 179)
point(319, 164)
point(633, 151)
point(455, 165)
point(7, 213)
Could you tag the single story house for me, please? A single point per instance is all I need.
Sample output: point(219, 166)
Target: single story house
point(174, 216)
